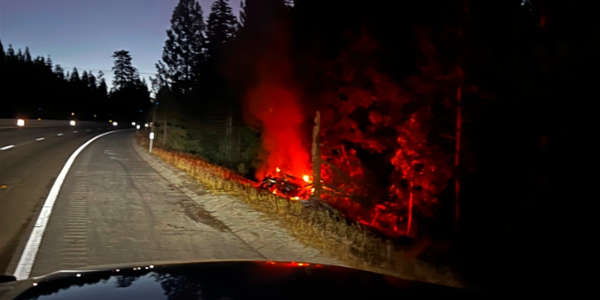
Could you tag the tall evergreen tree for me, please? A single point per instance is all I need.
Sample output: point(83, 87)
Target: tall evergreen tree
point(39, 61)
point(20, 55)
point(125, 74)
point(92, 84)
point(49, 62)
point(100, 76)
point(10, 52)
point(59, 72)
point(242, 13)
point(74, 78)
point(222, 25)
point(102, 87)
point(184, 49)
point(27, 55)
point(2, 54)
point(84, 78)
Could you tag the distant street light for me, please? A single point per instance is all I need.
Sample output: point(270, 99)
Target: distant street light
point(72, 114)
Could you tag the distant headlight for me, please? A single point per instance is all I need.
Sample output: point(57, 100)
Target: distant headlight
point(132, 123)
point(72, 123)
point(137, 126)
point(146, 125)
point(20, 122)
point(115, 124)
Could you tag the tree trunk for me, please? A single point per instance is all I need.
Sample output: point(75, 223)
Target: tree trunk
point(410, 209)
point(316, 157)
point(457, 160)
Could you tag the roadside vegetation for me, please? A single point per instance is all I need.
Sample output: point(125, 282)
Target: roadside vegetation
point(327, 232)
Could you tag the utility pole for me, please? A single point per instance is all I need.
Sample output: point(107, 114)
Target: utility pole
point(152, 126)
point(316, 157)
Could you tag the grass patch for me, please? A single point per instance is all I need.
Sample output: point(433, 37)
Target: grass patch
point(329, 233)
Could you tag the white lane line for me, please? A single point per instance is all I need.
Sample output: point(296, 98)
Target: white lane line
point(33, 243)
point(39, 139)
point(75, 131)
point(7, 147)
point(59, 134)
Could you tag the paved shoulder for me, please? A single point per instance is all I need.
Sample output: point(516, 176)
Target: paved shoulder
point(115, 208)
point(253, 227)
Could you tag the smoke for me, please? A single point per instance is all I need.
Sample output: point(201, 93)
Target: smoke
point(273, 104)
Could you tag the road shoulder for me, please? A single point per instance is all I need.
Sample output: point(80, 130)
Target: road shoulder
point(255, 228)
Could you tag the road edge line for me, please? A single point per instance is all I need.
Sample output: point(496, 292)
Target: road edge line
point(27, 259)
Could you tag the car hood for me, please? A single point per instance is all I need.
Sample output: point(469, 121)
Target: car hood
point(222, 280)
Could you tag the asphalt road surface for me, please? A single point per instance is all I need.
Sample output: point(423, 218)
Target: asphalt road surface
point(30, 160)
point(112, 208)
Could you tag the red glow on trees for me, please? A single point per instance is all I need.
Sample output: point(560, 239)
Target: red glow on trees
point(280, 116)
point(362, 111)
point(273, 105)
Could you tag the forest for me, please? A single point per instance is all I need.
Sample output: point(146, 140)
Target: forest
point(35, 88)
point(451, 120)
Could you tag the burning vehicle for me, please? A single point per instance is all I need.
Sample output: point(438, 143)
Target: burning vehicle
point(287, 185)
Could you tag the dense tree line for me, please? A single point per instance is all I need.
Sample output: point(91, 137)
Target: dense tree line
point(37, 88)
point(459, 106)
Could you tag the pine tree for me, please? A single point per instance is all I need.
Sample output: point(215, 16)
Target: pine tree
point(84, 78)
point(2, 54)
point(59, 72)
point(49, 62)
point(184, 49)
point(102, 87)
point(74, 78)
point(39, 61)
point(27, 55)
point(222, 25)
point(242, 13)
point(10, 52)
point(125, 74)
point(100, 76)
point(20, 56)
point(92, 84)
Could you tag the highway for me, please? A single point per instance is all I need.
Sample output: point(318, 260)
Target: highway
point(30, 160)
point(112, 208)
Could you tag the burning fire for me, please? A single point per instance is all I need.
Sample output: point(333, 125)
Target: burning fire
point(274, 106)
point(287, 185)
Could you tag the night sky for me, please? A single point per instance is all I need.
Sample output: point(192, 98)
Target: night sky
point(84, 33)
